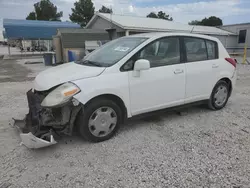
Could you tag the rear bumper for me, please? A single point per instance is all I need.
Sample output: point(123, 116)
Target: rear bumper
point(233, 81)
point(39, 126)
point(234, 78)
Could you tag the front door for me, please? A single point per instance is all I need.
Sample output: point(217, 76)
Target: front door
point(163, 85)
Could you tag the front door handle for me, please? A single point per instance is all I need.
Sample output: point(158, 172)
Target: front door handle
point(178, 71)
point(215, 66)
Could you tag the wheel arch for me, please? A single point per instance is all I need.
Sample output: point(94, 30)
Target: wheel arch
point(229, 82)
point(211, 104)
point(114, 98)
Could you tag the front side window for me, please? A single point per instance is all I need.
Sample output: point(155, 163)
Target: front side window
point(195, 49)
point(112, 52)
point(162, 52)
point(242, 36)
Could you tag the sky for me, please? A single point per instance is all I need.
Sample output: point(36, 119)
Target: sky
point(230, 11)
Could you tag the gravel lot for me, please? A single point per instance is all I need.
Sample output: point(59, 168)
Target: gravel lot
point(200, 149)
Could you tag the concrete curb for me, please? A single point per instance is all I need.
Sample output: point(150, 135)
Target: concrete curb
point(18, 56)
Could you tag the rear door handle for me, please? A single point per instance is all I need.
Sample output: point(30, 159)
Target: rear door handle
point(215, 66)
point(178, 71)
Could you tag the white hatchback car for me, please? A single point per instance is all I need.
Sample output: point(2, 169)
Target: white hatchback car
point(126, 77)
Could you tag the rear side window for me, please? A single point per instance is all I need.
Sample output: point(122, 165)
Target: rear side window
point(195, 49)
point(211, 49)
point(198, 49)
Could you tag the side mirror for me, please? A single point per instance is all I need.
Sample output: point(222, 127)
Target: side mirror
point(141, 64)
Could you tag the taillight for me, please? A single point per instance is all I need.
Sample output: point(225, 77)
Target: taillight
point(231, 61)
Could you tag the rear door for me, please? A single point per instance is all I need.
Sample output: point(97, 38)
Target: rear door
point(202, 67)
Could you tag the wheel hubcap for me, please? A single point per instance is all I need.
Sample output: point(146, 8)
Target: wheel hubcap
point(220, 96)
point(102, 121)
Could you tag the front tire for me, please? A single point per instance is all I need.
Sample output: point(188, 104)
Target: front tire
point(219, 96)
point(100, 120)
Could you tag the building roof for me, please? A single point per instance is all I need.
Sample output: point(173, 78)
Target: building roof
point(80, 30)
point(154, 24)
point(229, 25)
point(30, 29)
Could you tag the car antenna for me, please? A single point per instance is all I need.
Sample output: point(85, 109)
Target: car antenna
point(111, 14)
point(192, 29)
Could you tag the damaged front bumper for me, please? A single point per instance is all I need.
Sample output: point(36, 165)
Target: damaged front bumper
point(40, 125)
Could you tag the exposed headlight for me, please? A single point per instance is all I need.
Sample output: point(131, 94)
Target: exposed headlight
point(60, 95)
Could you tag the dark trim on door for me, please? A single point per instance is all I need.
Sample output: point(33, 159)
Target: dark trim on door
point(183, 53)
point(205, 40)
point(183, 50)
point(207, 50)
point(165, 37)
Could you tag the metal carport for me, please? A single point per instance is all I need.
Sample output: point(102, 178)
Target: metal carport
point(33, 29)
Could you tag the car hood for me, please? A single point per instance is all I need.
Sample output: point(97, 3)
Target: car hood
point(64, 73)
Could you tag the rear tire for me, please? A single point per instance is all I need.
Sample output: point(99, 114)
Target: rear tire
point(219, 96)
point(100, 120)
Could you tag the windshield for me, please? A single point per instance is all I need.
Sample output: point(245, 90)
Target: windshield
point(112, 52)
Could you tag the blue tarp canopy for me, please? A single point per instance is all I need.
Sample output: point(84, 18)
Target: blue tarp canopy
point(33, 30)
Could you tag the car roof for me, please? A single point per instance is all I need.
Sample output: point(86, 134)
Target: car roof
point(156, 35)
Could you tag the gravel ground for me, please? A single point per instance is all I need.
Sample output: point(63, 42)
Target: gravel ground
point(18, 71)
point(200, 149)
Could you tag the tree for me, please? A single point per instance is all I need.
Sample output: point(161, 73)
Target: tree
point(105, 10)
point(160, 15)
point(195, 22)
point(152, 15)
point(45, 10)
point(31, 16)
point(163, 15)
point(83, 12)
point(211, 21)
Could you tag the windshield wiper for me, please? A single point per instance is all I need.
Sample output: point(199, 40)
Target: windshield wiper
point(92, 63)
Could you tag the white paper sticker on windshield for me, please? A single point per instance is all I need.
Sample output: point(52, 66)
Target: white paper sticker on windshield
point(121, 49)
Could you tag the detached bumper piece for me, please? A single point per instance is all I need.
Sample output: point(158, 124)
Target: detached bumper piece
point(30, 140)
point(40, 125)
point(33, 142)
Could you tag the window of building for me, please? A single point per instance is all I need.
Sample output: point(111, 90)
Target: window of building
point(242, 36)
point(195, 49)
point(211, 49)
point(162, 52)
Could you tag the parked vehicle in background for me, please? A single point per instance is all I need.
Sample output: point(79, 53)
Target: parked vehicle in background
point(126, 77)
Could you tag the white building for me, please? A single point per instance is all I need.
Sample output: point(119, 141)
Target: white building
point(237, 44)
point(121, 25)
point(1, 35)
